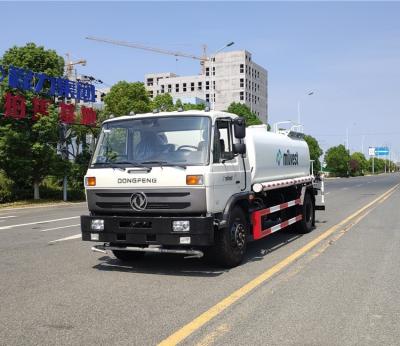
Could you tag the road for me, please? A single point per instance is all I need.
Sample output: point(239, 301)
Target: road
point(343, 291)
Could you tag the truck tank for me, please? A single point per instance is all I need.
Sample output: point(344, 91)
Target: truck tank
point(275, 156)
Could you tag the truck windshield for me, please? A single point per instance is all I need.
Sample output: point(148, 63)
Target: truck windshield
point(155, 141)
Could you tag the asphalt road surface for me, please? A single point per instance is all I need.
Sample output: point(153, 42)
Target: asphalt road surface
point(345, 290)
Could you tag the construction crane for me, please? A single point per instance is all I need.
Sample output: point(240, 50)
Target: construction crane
point(202, 58)
point(69, 66)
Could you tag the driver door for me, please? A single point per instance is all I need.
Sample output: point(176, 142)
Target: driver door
point(225, 166)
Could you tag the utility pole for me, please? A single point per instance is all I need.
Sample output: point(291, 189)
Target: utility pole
point(362, 144)
point(348, 150)
point(373, 165)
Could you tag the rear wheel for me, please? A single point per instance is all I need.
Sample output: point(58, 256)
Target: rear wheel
point(230, 245)
point(306, 224)
point(127, 256)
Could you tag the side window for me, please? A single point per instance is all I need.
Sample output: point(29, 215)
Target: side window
point(222, 141)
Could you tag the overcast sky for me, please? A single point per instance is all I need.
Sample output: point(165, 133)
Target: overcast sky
point(347, 53)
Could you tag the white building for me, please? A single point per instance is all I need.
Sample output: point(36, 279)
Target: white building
point(236, 78)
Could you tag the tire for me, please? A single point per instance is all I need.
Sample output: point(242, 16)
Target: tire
point(306, 224)
point(128, 256)
point(230, 243)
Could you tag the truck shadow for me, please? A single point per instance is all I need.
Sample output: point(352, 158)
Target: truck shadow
point(176, 265)
point(256, 251)
point(161, 264)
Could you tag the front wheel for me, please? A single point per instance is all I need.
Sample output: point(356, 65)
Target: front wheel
point(230, 244)
point(306, 224)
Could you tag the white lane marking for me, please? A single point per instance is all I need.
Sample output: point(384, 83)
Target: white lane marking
point(359, 185)
point(76, 236)
point(51, 229)
point(344, 188)
point(39, 222)
point(73, 204)
point(327, 193)
point(6, 217)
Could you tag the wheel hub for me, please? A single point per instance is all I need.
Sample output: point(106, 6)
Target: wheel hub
point(238, 235)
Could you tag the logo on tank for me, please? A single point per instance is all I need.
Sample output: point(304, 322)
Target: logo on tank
point(287, 158)
point(279, 157)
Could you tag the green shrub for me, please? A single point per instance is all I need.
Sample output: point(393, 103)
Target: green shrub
point(6, 188)
point(52, 188)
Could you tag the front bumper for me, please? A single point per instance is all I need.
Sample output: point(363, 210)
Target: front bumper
point(141, 230)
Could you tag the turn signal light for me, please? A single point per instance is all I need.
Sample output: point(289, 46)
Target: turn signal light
point(194, 180)
point(90, 181)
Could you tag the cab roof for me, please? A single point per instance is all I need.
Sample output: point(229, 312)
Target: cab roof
point(212, 114)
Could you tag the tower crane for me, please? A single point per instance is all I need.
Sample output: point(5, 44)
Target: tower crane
point(202, 58)
point(69, 65)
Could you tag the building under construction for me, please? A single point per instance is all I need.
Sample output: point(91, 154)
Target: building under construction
point(225, 77)
point(228, 77)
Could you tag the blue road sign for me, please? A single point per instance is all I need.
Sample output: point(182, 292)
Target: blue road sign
point(381, 151)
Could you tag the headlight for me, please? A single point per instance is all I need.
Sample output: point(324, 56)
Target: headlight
point(97, 225)
point(181, 226)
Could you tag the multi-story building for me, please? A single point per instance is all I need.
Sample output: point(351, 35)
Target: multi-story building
point(228, 77)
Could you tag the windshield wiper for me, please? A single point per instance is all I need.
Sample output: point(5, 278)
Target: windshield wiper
point(133, 163)
point(108, 165)
point(115, 165)
point(164, 163)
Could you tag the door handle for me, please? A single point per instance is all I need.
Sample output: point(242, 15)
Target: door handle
point(237, 181)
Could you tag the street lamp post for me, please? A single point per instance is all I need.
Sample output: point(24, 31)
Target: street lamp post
point(298, 105)
point(69, 72)
point(212, 100)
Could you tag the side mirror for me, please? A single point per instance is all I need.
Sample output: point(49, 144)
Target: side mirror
point(239, 148)
point(239, 128)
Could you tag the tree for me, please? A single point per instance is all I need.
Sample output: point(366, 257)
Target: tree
point(163, 102)
point(315, 151)
point(379, 165)
point(189, 106)
point(193, 106)
point(29, 148)
point(244, 111)
point(337, 160)
point(178, 104)
point(125, 97)
point(358, 163)
point(29, 152)
point(34, 58)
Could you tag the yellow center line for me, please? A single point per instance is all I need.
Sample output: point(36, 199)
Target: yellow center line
point(215, 310)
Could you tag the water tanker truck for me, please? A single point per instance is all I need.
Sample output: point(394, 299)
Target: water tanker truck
point(195, 183)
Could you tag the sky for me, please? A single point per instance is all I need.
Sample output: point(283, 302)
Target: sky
point(348, 53)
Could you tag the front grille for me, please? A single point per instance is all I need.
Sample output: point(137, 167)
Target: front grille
point(168, 205)
point(148, 194)
point(159, 201)
point(160, 205)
